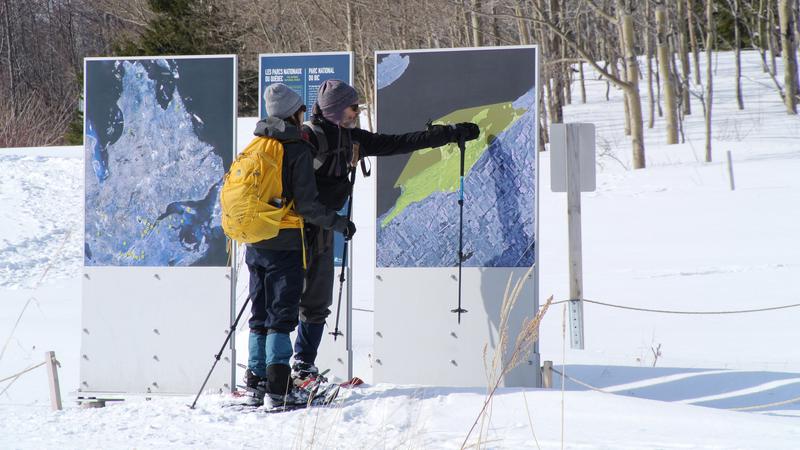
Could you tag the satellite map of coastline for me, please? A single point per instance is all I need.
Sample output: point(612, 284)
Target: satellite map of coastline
point(159, 139)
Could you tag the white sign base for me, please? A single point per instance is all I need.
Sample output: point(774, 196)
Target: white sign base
point(154, 329)
point(418, 340)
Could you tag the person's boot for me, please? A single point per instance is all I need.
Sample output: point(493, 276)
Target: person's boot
point(280, 388)
point(255, 389)
point(304, 371)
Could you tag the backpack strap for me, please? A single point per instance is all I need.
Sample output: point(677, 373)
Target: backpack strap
point(322, 143)
point(364, 171)
point(323, 148)
point(358, 159)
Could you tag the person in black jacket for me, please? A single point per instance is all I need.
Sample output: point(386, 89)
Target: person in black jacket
point(277, 265)
point(338, 146)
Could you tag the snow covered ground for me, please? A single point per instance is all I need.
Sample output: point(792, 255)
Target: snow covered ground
point(671, 237)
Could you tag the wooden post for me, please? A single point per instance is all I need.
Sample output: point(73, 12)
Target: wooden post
point(572, 171)
point(574, 223)
point(730, 171)
point(547, 375)
point(52, 374)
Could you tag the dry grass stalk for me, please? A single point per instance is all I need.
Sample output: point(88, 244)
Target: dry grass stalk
point(522, 348)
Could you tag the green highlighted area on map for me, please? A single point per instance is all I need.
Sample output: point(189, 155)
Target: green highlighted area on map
point(437, 169)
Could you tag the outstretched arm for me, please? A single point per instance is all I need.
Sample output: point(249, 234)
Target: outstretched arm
point(374, 144)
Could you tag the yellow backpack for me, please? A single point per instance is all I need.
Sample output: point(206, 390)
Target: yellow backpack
point(253, 208)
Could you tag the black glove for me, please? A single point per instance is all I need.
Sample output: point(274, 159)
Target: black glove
point(346, 227)
point(464, 130)
point(349, 231)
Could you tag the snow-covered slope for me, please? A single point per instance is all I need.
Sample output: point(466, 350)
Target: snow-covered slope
point(405, 417)
point(671, 237)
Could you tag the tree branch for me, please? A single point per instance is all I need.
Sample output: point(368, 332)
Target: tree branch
point(603, 14)
point(563, 35)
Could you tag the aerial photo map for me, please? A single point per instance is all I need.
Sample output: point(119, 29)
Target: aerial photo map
point(418, 213)
point(159, 139)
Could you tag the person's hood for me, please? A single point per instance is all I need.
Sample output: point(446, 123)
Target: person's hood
point(278, 129)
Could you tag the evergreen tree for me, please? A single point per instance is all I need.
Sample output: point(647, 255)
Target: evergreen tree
point(195, 27)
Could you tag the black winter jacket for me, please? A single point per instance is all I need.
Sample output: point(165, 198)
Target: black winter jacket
point(298, 185)
point(331, 167)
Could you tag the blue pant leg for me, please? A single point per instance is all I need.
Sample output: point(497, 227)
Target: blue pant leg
point(309, 337)
point(278, 348)
point(257, 354)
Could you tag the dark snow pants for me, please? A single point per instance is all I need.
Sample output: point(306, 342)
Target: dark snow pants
point(316, 300)
point(276, 284)
point(318, 297)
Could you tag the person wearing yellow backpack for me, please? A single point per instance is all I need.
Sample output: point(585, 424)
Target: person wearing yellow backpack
point(277, 264)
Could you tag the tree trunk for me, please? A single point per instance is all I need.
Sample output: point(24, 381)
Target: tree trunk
point(763, 41)
point(608, 65)
point(367, 81)
point(648, 52)
point(665, 71)
point(522, 26)
point(632, 88)
point(616, 73)
point(797, 23)
point(495, 25)
point(543, 133)
point(10, 61)
point(658, 91)
point(737, 44)
point(566, 72)
point(624, 72)
point(557, 71)
point(679, 86)
point(789, 52)
point(477, 36)
point(544, 137)
point(467, 28)
point(583, 82)
point(349, 16)
point(709, 74)
point(773, 45)
point(693, 41)
point(683, 51)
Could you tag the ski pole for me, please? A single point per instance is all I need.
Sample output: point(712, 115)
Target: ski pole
point(336, 333)
point(462, 150)
point(219, 355)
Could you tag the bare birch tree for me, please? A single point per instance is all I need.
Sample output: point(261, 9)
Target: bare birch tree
point(664, 60)
point(789, 53)
point(709, 74)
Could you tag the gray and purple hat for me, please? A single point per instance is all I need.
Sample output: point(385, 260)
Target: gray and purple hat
point(333, 98)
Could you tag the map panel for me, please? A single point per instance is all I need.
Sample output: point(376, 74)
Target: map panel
point(159, 139)
point(418, 213)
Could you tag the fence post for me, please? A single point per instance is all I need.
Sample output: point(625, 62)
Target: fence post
point(547, 374)
point(52, 374)
point(730, 170)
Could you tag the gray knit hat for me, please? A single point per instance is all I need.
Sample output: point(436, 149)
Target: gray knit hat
point(281, 101)
point(333, 98)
